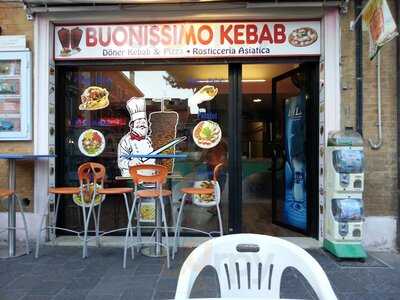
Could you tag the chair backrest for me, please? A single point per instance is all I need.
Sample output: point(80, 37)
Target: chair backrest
point(156, 174)
point(99, 173)
point(217, 171)
point(85, 174)
point(91, 172)
point(251, 266)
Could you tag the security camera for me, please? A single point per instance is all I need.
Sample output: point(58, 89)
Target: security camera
point(29, 17)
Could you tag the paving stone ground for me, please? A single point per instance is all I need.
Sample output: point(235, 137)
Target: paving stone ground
point(60, 273)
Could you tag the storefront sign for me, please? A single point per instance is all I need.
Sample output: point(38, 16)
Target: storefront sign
point(186, 40)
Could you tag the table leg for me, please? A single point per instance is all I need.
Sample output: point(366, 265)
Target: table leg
point(11, 209)
point(157, 250)
point(13, 250)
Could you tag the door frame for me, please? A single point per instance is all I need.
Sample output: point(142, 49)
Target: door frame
point(311, 148)
point(235, 124)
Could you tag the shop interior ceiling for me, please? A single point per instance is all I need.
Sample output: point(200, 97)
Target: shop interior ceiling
point(256, 80)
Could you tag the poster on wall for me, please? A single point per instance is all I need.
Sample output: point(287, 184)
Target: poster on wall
point(187, 40)
point(295, 206)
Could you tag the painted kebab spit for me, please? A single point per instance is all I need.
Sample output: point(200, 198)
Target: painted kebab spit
point(163, 125)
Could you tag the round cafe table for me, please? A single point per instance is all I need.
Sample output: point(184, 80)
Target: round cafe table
point(156, 250)
point(12, 249)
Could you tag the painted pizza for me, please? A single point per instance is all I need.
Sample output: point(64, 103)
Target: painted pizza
point(207, 134)
point(303, 37)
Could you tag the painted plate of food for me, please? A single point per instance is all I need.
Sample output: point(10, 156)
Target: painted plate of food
point(88, 196)
point(303, 37)
point(91, 142)
point(207, 134)
point(204, 200)
point(93, 98)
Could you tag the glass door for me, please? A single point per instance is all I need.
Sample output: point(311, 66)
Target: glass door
point(258, 160)
point(294, 149)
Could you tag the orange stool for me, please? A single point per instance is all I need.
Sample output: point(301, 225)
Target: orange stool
point(91, 179)
point(155, 175)
point(6, 193)
point(216, 191)
point(51, 211)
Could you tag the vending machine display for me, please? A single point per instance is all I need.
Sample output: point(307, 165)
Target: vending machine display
point(344, 214)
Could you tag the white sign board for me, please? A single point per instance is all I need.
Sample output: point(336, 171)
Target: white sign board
point(10, 42)
point(187, 40)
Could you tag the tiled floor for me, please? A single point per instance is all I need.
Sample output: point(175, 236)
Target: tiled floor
point(60, 273)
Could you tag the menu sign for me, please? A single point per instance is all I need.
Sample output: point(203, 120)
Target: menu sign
point(187, 40)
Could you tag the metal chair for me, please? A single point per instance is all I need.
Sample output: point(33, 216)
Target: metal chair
point(94, 174)
point(251, 266)
point(6, 193)
point(91, 180)
point(195, 191)
point(156, 176)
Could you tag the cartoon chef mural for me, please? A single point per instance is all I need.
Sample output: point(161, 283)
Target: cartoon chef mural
point(137, 140)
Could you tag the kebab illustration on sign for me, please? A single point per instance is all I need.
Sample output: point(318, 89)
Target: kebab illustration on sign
point(137, 141)
point(70, 40)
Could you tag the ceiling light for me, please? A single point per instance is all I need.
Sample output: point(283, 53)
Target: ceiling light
point(257, 100)
point(254, 80)
point(226, 80)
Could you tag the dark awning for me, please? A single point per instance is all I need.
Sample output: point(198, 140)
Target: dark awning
point(48, 3)
point(304, 8)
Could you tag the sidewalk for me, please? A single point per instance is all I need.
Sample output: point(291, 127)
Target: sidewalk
point(61, 273)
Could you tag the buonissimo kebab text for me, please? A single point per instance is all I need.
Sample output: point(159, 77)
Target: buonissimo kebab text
point(185, 34)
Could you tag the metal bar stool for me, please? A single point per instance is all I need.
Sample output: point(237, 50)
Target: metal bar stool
point(215, 191)
point(155, 175)
point(91, 179)
point(51, 210)
point(6, 193)
point(98, 174)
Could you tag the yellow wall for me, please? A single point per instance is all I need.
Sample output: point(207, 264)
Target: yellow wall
point(13, 22)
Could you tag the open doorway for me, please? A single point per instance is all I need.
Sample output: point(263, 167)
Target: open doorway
point(279, 142)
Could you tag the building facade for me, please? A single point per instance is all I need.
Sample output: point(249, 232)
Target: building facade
point(331, 69)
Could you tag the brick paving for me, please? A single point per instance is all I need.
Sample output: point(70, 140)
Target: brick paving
point(60, 273)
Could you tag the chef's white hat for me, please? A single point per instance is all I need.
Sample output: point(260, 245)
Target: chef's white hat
point(136, 108)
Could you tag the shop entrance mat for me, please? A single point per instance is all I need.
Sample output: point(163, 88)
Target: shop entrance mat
point(370, 262)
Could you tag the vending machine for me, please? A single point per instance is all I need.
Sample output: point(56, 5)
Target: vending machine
point(344, 218)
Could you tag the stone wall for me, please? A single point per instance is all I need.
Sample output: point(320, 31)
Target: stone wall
point(13, 22)
point(381, 195)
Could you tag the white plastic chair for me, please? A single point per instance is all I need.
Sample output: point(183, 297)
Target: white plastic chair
point(251, 266)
